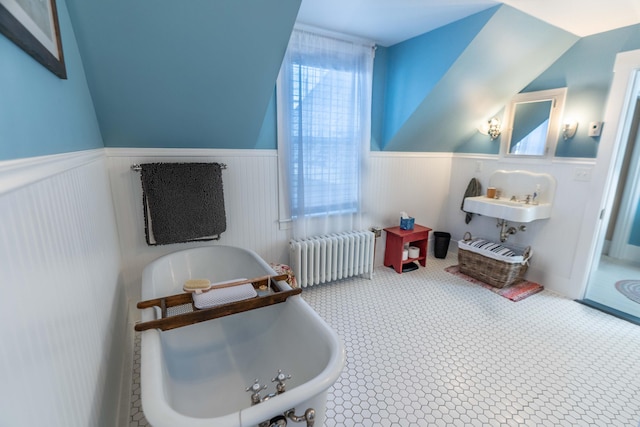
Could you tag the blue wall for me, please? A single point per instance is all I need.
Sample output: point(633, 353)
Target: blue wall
point(41, 114)
point(587, 71)
point(503, 51)
point(203, 76)
point(185, 74)
point(410, 105)
point(415, 66)
point(268, 136)
point(377, 97)
point(634, 236)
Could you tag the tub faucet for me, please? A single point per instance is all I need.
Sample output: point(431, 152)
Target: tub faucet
point(281, 378)
point(255, 390)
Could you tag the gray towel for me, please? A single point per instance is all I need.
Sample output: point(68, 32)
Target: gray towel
point(182, 202)
point(473, 189)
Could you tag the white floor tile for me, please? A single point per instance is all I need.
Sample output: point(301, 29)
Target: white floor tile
point(427, 348)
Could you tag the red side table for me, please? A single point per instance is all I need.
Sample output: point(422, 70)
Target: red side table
point(396, 238)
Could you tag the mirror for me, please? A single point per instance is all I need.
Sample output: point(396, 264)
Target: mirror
point(533, 123)
point(530, 128)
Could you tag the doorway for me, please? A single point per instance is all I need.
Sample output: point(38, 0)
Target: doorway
point(622, 227)
point(614, 281)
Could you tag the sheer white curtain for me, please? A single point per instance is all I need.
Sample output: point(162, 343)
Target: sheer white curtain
point(324, 131)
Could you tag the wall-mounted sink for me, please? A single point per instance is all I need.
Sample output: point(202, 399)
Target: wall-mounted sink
point(515, 187)
point(507, 209)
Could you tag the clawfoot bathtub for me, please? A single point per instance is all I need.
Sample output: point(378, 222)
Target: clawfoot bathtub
point(197, 375)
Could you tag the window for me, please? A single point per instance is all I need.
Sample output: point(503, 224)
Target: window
point(324, 124)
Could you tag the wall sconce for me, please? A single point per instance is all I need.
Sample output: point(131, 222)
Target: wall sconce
point(494, 128)
point(491, 127)
point(569, 129)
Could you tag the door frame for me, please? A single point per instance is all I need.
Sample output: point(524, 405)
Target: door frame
point(610, 156)
point(620, 247)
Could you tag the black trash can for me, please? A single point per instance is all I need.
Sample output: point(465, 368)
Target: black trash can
point(441, 244)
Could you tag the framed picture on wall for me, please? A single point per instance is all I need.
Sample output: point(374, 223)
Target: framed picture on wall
point(33, 25)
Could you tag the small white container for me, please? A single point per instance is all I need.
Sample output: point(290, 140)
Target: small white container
point(414, 252)
point(405, 254)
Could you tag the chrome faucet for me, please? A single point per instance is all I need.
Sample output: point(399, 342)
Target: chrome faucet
point(279, 420)
point(256, 388)
point(281, 378)
point(527, 200)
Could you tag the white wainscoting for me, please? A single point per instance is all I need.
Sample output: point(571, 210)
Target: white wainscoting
point(251, 204)
point(428, 186)
point(554, 240)
point(62, 305)
point(417, 183)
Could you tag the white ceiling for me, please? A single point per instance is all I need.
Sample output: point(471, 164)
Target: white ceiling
point(388, 22)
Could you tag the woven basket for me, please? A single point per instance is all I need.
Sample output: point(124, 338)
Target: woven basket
point(496, 273)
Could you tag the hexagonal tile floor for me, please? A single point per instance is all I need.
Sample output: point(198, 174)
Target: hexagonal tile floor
point(426, 348)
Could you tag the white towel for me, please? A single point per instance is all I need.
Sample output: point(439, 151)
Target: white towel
point(221, 296)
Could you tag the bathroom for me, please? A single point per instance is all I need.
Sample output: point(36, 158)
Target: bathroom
point(73, 246)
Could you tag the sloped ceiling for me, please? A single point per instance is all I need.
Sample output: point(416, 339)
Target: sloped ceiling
point(417, 65)
point(389, 22)
point(509, 52)
point(197, 73)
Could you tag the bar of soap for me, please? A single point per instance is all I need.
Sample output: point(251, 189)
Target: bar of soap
point(195, 285)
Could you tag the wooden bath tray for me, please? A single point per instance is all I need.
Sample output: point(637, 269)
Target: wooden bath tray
point(194, 315)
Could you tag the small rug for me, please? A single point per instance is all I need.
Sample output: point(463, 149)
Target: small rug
point(515, 293)
point(630, 289)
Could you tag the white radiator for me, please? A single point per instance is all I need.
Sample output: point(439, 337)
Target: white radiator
point(322, 259)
